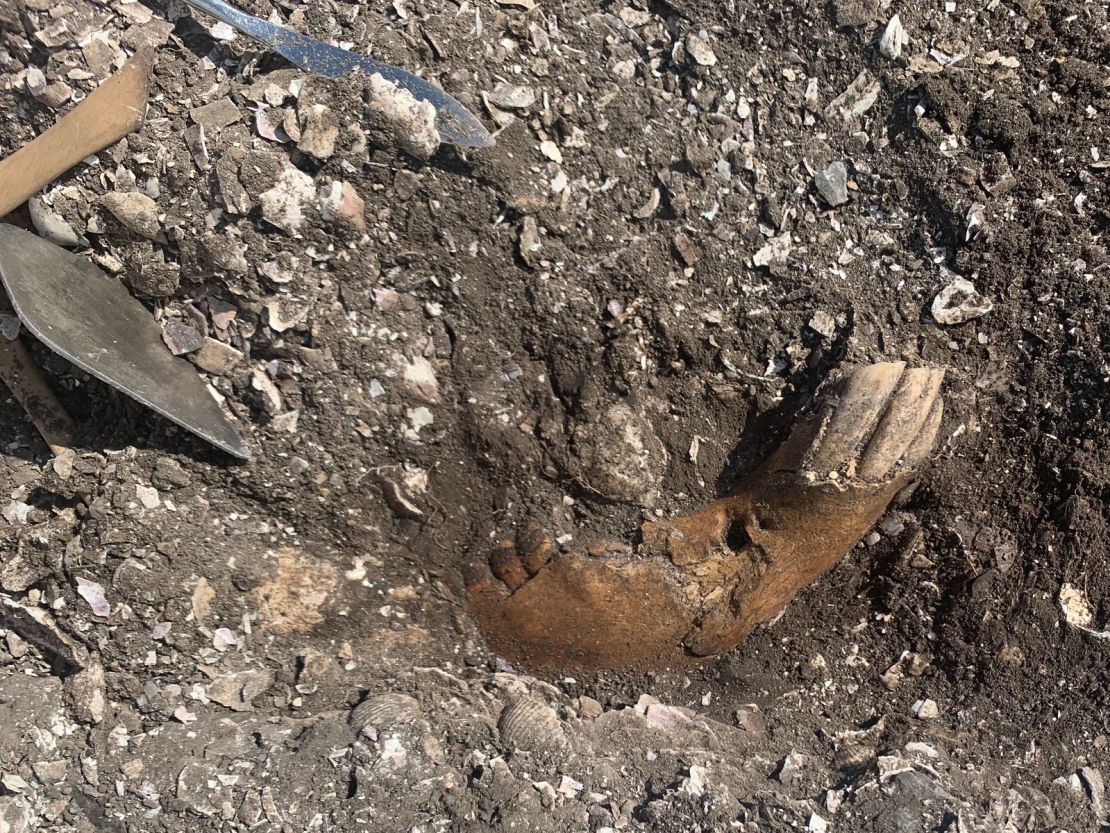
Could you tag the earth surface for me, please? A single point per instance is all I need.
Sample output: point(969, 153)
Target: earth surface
point(696, 215)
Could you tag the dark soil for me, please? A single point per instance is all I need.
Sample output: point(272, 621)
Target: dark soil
point(514, 301)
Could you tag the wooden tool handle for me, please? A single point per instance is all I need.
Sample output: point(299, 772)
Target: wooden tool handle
point(24, 379)
point(110, 112)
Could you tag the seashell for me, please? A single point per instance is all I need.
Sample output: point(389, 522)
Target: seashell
point(385, 710)
point(530, 725)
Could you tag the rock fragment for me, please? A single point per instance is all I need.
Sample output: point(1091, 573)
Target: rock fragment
point(169, 474)
point(319, 131)
point(181, 338)
point(341, 204)
point(85, 692)
point(832, 184)
point(512, 97)
point(216, 116)
point(196, 141)
point(958, 302)
point(823, 324)
point(135, 212)
point(699, 49)
point(412, 123)
point(148, 496)
point(52, 95)
point(269, 396)
point(236, 691)
point(217, 357)
point(686, 249)
point(36, 626)
point(101, 54)
point(283, 205)
point(619, 455)
point(859, 97)
point(419, 377)
point(893, 39)
point(775, 251)
point(18, 573)
point(50, 772)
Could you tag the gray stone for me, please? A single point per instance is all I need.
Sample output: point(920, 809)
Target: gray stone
point(85, 692)
point(832, 184)
point(181, 338)
point(216, 116)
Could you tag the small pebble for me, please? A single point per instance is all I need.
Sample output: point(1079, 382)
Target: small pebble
point(926, 710)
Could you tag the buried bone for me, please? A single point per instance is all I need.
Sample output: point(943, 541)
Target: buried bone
point(698, 584)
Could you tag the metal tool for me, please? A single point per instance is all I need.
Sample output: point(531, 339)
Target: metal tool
point(90, 319)
point(455, 123)
point(74, 308)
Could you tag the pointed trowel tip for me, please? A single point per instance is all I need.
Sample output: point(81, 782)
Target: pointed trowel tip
point(238, 449)
point(217, 429)
point(222, 436)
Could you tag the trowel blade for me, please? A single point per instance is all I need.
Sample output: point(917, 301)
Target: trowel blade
point(90, 319)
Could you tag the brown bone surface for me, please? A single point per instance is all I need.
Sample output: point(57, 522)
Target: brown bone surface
point(696, 585)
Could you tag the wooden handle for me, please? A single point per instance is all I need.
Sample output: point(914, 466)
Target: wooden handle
point(109, 113)
point(24, 379)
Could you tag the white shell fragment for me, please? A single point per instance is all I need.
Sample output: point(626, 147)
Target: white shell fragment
point(926, 710)
point(52, 226)
point(512, 96)
point(893, 39)
point(700, 51)
point(958, 302)
point(283, 205)
point(1077, 610)
point(530, 725)
point(412, 122)
point(383, 711)
point(93, 593)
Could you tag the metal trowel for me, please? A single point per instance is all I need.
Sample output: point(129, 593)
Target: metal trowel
point(456, 124)
point(90, 319)
point(75, 309)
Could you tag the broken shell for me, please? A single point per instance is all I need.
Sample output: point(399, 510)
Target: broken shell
point(530, 725)
point(959, 302)
point(700, 50)
point(385, 710)
point(512, 97)
point(52, 226)
point(136, 212)
point(893, 39)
